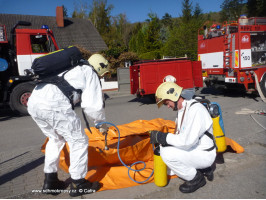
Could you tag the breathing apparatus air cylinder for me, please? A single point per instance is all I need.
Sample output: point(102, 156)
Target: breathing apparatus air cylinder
point(218, 135)
point(160, 168)
point(218, 127)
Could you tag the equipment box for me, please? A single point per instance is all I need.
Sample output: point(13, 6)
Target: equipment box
point(146, 76)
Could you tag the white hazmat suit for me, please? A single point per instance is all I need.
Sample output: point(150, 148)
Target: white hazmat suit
point(189, 143)
point(53, 113)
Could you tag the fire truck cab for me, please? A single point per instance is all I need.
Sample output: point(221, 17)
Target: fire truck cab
point(235, 53)
point(16, 57)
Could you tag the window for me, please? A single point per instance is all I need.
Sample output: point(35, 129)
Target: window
point(258, 49)
point(39, 44)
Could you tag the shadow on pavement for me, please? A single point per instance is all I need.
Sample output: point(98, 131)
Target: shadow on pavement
point(14, 158)
point(6, 114)
point(231, 92)
point(21, 170)
point(147, 99)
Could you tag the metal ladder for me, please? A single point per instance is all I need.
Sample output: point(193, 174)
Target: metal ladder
point(227, 51)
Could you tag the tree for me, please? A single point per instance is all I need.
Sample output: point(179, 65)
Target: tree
point(164, 34)
point(137, 42)
point(183, 38)
point(183, 41)
point(147, 42)
point(167, 20)
point(120, 29)
point(256, 8)
point(186, 11)
point(197, 11)
point(135, 36)
point(64, 11)
point(80, 11)
point(152, 41)
point(232, 9)
point(100, 16)
point(115, 31)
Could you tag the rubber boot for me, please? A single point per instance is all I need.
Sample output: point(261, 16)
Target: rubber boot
point(52, 185)
point(191, 186)
point(83, 186)
point(208, 172)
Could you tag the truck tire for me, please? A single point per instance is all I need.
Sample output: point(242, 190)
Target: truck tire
point(19, 97)
point(263, 85)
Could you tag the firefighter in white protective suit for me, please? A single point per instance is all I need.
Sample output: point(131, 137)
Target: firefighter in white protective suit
point(53, 113)
point(190, 152)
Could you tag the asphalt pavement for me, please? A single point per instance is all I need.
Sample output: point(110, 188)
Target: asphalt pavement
point(236, 175)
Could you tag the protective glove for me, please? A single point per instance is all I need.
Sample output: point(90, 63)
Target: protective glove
point(103, 129)
point(157, 137)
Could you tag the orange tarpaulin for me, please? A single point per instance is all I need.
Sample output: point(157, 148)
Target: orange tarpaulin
point(105, 166)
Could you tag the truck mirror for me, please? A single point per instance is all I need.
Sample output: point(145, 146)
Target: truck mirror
point(24, 23)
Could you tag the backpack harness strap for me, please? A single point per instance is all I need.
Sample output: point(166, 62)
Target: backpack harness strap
point(211, 137)
point(68, 89)
point(207, 133)
point(63, 85)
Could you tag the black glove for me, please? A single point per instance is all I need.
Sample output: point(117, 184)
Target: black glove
point(157, 137)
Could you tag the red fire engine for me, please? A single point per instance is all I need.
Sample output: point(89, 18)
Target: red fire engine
point(16, 57)
point(146, 76)
point(235, 53)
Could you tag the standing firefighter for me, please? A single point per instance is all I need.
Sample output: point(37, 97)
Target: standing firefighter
point(190, 152)
point(53, 112)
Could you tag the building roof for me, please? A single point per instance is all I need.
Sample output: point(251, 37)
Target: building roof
point(75, 31)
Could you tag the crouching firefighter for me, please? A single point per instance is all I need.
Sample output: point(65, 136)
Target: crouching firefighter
point(190, 151)
point(52, 109)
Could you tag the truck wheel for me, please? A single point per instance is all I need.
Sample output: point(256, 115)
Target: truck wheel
point(19, 97)
point(263, 85)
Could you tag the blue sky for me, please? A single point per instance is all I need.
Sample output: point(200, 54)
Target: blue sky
point(135, 10)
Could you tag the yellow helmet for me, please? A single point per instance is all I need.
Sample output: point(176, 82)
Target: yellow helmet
point(100, 64)
point(167, 90)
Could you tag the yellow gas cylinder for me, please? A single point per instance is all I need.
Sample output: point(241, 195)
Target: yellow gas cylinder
point(219, 135)
point(160, 169)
